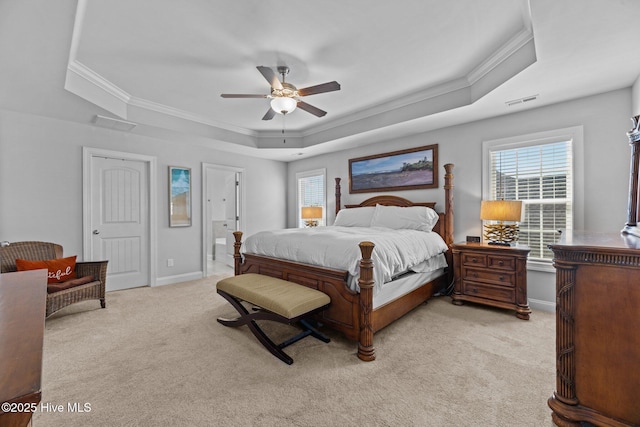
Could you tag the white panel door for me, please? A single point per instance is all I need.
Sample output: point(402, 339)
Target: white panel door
point(119, 220)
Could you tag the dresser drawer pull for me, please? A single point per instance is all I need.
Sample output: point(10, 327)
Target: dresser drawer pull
point(501, 278)
point(474, 274)
point(474, 259)
point(501, 263)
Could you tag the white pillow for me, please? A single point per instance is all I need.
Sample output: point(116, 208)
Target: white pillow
point(355, 217)
point(397, 217)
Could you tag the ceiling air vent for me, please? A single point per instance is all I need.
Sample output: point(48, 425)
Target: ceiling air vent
point(521, 100)
point(111, 123)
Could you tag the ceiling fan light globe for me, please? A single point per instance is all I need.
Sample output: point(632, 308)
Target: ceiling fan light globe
point(283, 105)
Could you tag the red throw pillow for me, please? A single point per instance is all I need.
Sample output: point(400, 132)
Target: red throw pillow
point(59, 270)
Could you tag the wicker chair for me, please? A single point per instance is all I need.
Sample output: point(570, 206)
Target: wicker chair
point(40, 251)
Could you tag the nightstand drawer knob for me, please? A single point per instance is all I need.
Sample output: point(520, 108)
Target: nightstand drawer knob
point(474, 290)
point(474, 259)
point(501, 278)
point(474, 274)
point(500, 263)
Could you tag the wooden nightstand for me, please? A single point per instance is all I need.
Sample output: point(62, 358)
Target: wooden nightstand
point(492, 275)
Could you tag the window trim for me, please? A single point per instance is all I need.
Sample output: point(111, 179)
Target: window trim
point(306, 174)
point(576, 135)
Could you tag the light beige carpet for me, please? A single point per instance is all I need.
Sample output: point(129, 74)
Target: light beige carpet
point(157, 357)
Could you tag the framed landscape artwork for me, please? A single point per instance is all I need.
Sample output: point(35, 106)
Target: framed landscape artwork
point(409, 169)
point(179, 197)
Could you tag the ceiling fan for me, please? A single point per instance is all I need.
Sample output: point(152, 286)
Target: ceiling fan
point(284, 96)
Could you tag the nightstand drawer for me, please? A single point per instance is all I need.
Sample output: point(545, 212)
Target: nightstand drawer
point(478, 260)
point(501, 262)
point(500, 278)
point(498, 293)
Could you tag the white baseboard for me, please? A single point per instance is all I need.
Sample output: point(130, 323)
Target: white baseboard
point(542, 305)
point(179, 278)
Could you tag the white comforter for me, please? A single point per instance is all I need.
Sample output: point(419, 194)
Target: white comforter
point(395, 252)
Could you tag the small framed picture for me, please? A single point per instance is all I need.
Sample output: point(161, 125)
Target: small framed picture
point(179, 197)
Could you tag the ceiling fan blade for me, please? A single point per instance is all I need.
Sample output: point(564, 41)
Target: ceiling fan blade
point(271, 77)
point(241, 95)
point(311, 109)
point(324, 87)
point(269, 114)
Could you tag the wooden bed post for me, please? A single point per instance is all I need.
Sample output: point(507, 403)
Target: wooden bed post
point(237, 257)
point(366, 351)
point(632, 208)
point(448, 203)
point(338, 195)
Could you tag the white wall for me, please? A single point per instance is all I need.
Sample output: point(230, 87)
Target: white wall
point(605, 119)
point(41, 186)
point(635, 97)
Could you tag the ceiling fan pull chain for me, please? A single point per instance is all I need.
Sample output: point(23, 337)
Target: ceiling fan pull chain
point(284, 140)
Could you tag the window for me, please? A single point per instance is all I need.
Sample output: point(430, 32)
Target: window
point(539, 171)
point(311, 192)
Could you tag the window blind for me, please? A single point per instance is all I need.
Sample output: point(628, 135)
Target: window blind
point(541, 176)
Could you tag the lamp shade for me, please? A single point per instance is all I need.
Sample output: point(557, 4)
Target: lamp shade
point(311, 212)
point(283, 104)
point(501, 210)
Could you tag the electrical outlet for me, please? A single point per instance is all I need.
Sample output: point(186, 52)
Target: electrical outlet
point(473, 239)
point(170, 262)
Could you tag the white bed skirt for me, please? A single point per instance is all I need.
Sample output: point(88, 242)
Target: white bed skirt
point(403, 285)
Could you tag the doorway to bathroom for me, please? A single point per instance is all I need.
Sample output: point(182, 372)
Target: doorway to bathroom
point(222, 205)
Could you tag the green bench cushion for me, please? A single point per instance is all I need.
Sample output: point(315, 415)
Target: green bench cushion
point(279, 296)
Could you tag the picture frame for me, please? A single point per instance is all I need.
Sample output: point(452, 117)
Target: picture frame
point(410, 169)
point(179, 196)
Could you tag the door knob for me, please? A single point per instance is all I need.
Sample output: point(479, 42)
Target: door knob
point(96, 232)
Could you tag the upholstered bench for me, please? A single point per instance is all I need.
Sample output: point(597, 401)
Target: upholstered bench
point(273, 299)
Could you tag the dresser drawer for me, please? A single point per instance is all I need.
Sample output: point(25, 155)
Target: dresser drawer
point(475, 259)
point(499, 278)
point(501, 262)
point(498, 293)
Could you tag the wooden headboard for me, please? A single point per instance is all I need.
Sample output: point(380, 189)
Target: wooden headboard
point(444, 226)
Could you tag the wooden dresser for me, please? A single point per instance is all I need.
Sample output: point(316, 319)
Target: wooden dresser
point(491, 274)
point(22, 307)
point(597, 330)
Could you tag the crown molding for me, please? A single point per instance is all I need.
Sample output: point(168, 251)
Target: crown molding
point(512, 46)
point(182, 114)
point(97, 80)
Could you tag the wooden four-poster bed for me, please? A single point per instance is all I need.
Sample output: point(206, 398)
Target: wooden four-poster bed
point(352, 312)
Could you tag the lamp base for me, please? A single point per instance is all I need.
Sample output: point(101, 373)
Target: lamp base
point(311, 223)
point(499, 243)
point(501, 234)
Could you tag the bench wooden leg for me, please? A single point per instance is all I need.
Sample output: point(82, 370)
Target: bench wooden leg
point(249, 319)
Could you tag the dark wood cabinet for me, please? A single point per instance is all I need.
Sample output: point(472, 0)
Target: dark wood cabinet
point(597, 330)
point(491, 274)
point(22, 307)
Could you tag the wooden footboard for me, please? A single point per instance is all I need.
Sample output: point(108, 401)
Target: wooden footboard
point(343, 313)
point(350, 312)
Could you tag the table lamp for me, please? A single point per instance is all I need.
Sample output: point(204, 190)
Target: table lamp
point(311, 214)
point(501, 210)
